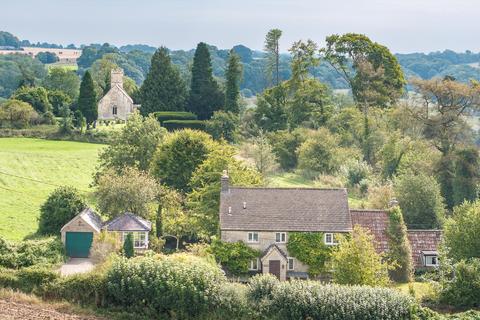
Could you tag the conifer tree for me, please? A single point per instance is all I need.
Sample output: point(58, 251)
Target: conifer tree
point(87, 99)
point(233, 76)
point(205, 95)
point(128, 248)
point(164, 88)
point(272, 48)
point(399, 246)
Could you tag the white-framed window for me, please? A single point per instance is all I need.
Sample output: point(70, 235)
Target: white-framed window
point(431, 261)
point(291, 263)
point(281, 237)
point(140, 239)
point(252, 237)
point(254, 265)
point(330, 239)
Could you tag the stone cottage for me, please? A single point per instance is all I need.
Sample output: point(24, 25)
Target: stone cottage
point(116, 104)
point(263, 218)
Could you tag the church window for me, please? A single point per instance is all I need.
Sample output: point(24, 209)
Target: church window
point(114, 111)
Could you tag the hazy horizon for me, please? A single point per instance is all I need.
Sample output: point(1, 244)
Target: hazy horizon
point(403, 26)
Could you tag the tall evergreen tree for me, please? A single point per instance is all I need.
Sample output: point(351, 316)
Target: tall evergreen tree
point(87, 99)
point(272, 48)
point(400, 250)
point(467, 175)
point(205, 95)
point(233, 76)
point(164, 88)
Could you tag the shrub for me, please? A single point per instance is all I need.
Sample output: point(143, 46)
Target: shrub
point(311, 300)
point(234, 256)
point(162, 116)
point(37, 97)
point(62, 205)
point(30, 252)
point(262, 286)
point(16, 114)
point(34, 278)
point(104, 244)
point(172, 125)
point(462, 289)
point(181, 284)
point(356, 262)
point(284, 146)
point(223, 125)
point(355, 172)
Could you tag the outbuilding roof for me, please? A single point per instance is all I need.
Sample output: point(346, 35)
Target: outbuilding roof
point(128, 222)
point(284, 209)
point(90, 217)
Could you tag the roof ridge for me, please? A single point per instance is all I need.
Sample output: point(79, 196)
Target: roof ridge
point(137, 218)
point(369, 210)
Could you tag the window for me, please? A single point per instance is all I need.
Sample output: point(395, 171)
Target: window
point(114, 111)
point(291, 263)
point(254, 264)
point(330, 239)
point(139, 239)
point(253, 237)
point(431, 261)
point(281, 237)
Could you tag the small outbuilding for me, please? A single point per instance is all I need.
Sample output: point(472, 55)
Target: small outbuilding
point(78, 233)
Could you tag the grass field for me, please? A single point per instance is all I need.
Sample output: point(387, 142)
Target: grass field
point(32, 168)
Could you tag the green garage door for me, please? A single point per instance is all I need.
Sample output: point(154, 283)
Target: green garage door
point(78, 244)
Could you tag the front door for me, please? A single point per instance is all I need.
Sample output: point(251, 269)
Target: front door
point(274, 268)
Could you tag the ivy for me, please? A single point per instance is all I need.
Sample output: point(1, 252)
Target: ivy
point(233, 256)
point(310, 249)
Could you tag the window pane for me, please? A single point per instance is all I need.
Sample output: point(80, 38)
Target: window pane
point(284, 236)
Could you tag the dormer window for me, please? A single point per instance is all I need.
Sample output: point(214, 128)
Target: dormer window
point(330, 239)
point(280, 237)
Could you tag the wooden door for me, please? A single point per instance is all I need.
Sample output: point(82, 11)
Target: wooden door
point(274, 268)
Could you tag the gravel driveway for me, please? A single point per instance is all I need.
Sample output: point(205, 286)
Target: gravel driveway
point(76, 265)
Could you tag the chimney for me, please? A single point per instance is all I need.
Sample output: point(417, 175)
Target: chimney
point(224, 181)
point(116, 77)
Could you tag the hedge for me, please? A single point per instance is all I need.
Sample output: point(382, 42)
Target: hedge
point(31, 252)
point(162, 116)
point(172, 125)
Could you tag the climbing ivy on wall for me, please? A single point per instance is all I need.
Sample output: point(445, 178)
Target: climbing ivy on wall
point(310, 249)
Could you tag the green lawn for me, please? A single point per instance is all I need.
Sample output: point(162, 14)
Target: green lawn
point(30, 169)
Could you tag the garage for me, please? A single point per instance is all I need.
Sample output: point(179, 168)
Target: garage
point(78, 244)
point(78, 233)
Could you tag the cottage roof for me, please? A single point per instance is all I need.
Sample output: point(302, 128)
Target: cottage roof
point(90, 217)
point(128, 222)
point(284, 209)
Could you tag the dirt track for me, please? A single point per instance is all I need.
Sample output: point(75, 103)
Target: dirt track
point(10, 310)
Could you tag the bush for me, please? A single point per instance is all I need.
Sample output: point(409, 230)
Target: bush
point(172, 125)
point(16, 114)
point(162, 116)
point(262, 286)
point(233, 256)
point(181, 284)
point(62, 205)
point(311, 300)
point(355, 172)
point(223, 125)
point(463, 288)
point(30, 252)
point(30, 279)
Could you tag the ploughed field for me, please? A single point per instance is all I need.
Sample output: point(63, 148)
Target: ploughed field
point(30, 169)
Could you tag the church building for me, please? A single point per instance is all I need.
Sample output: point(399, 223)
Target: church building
point(116, 104)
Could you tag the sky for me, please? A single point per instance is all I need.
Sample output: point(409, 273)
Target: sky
point(402, 25)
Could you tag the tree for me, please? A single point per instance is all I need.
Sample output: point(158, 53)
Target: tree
point(130, 190)
point(371, 71)
point(134, 145)
point(270, 114)
point(263, 156)
point(169, 200)
point(16, 113)
point(461, 232)
point(204, 198)
point(64, 80)
point(47, 57)
point(61, 206)
point(284, 146)
point(179, 155)
point(128, 249)
point(37, 97)
point(272, 48)
point(205, 95)
point(223, 125)
point(176, 224)
point(319, 154)
point(304, 59)
point(233, 76)
point(87, 99)
point(467, 175)
point(420, 201)
point(58, 99)
point(66, 124)
point(399, 251)
point(355, 261)
point(164, 88)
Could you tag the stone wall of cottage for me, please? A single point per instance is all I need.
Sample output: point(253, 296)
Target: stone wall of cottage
point(265, 239)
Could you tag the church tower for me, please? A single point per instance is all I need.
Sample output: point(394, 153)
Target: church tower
point(116, 78)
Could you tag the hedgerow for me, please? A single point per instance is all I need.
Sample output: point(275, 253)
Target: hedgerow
point(162, 116)
point(30, 252)
point(172, 125)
